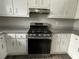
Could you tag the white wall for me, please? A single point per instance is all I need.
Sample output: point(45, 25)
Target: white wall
point(22, 23)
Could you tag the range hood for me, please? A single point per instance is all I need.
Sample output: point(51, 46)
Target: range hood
point(38, 10)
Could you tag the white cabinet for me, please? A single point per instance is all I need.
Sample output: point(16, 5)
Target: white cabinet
point(44, 4)
point(14, 8)
point(60, 43)
point(11, 46)
point(22, 47)
point(17, 44)
point(20, 8)
point(10, 36)
point(73, 49)
point(3, 48)
point(6, 8)
point(21, 36)
point(41, 4)
point(63, 8)
point(31, 3)
point(77, 11)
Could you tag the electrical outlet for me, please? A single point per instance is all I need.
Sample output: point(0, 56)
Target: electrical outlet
point(56, 23)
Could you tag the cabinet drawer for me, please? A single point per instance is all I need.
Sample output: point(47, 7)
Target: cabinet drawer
point(20, 35)
point(10, 35)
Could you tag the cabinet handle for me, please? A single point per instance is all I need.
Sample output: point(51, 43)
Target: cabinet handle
point(26, 36)
point(2, 46)
point(78, 49)
point(12, 43)
point(10, 10)
point(19, 44)
point(16, 10)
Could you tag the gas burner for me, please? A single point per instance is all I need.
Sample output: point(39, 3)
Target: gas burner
point(39, 30)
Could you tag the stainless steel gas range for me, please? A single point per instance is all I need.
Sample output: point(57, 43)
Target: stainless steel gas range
point(39, 39)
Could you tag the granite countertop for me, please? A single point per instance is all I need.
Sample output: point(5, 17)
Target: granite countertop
point(66, 31)
point(53, 31)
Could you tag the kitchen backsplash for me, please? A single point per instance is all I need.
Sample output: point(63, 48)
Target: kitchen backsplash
point(13, 23)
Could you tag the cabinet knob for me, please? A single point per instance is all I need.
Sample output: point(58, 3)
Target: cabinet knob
point(42, 2)
point(36, 2)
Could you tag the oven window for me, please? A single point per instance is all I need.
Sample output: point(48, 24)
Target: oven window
point(39, 46)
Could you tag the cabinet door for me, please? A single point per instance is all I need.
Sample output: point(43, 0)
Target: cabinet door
point(3, 48)
point(60, 43)
point(32, 3)
point(20, 8)
point(6, 8)
point(55, 44)
point(70, 8)
point(63, 8)
point(74, 47)
point(21, 36)
point(22, 46)
point(41, 4)
point(45, 4)
point(64, 42)
point(11, 46)
point(17, 46)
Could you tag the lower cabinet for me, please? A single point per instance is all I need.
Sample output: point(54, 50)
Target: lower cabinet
point(21, 46)
point(17, 46)
point(60, 43)
point(3, 48)
point(73, 49)
point(11, 46)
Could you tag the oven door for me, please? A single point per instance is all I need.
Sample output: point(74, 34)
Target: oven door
point(39, 46)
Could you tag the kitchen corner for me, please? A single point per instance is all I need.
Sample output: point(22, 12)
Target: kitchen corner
point(62, 29)
point(25, 32)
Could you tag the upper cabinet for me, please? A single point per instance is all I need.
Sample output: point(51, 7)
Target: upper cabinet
point(41, 4)
point(77, 11)
point(63, 8)
point(14, 8)
point(20, 8)
point(6, 8)
point(45, 4)
point(31, 3)
point(58, 8)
